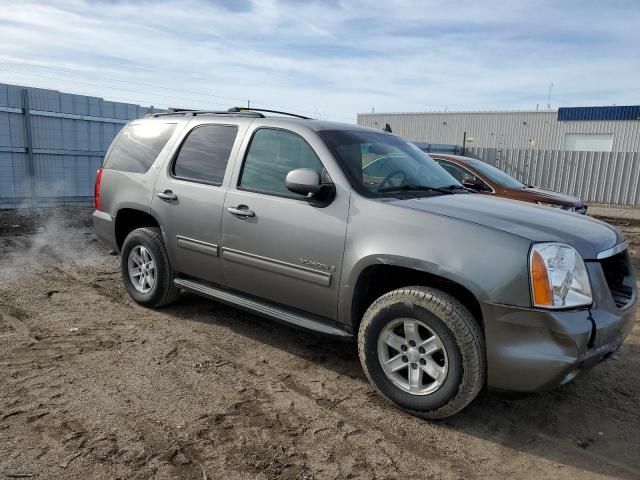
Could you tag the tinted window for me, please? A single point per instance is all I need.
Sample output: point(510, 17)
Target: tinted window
point(456, 172)
point(138, 146)
point(494, 174)
point(272, 154)
point(204, 154)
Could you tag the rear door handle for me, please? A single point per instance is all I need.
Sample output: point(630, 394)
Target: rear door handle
point(241, 211)
point(167, 195)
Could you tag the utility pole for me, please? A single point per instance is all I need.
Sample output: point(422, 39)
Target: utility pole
point(248, 103)
point(549, 96)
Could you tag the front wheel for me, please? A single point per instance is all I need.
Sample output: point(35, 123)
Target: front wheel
point(423, 351)
point(145, 268)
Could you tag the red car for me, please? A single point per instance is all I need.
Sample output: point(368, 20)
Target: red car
point(484, 178)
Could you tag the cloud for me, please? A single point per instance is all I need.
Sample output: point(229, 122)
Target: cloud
point(328, 58)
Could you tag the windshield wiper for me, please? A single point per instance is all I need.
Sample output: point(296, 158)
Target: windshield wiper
point(416, 188)
point(457, 187)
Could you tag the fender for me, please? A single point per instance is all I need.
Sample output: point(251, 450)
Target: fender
point(350, 283)
point(441, 246)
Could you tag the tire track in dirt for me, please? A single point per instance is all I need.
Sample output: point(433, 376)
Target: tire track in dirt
point(247, 364)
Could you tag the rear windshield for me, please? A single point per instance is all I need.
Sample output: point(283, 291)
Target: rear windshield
point(138, 146)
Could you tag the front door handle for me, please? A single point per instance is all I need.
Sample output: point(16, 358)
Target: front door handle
point(241, 211)
point(167, 195)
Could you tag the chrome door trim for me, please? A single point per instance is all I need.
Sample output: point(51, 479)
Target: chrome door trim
point(197, 245)
point(277, 266)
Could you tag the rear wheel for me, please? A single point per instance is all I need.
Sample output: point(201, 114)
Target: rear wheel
point(423, 351)
point(145, 268)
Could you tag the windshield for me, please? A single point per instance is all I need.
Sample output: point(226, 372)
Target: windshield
point(379, 164)
point(494, 174)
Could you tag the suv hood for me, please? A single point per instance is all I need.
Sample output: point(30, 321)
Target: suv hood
point(538, 224)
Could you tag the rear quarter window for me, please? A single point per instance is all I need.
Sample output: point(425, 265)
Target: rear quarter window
point(138, 146)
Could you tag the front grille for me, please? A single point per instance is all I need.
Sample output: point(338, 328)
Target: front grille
point(617, 271)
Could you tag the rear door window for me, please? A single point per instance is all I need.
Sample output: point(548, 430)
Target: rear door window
point(138, 146)
point(204, 154)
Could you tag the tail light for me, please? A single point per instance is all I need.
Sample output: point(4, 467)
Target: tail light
point(96, 189)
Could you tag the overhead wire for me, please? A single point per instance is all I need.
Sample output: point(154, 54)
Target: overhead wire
point(206, 96)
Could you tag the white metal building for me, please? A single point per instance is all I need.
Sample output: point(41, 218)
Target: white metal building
point(605, 129)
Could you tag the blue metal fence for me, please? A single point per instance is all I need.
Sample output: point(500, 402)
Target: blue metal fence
point(51, 144)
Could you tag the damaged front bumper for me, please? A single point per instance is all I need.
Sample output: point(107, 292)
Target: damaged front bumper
point(532, 349)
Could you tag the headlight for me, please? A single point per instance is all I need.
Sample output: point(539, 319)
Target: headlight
point(559, 278)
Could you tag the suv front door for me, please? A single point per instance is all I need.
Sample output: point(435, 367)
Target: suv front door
point(276, 245)
point(189, 199)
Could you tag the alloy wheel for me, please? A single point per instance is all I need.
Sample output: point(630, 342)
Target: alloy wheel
point(412, 356)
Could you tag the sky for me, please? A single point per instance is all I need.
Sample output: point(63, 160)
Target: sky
point(328, 59)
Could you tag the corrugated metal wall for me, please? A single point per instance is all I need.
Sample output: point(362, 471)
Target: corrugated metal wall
point(601, 177)
point(52, 143)
point(521, 130)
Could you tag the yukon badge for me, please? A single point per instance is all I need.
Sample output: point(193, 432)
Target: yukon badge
point(321, 266)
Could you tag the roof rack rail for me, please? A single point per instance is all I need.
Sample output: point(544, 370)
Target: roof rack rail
point(246, 109)
point(187, 111)
point(240, 111)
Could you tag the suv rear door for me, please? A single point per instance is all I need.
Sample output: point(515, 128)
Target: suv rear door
point(286, 251)
point(189, 197)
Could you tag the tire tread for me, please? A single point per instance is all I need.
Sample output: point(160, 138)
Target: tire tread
point(465, 329)
point(169, 291)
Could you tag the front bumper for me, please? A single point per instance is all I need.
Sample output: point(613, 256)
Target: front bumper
point(530, 349)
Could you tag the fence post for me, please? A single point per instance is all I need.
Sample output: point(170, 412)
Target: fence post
point(29, 145)
point(464, 143)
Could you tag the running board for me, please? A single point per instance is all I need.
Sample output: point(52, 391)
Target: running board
point(259, 307)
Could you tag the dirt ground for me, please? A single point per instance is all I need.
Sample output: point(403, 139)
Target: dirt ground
point(94, 386)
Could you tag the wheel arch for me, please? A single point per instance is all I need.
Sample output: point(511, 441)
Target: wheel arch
point(377, 278)
point(128, 219)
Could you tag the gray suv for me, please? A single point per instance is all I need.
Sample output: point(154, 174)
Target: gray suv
point(355, 233)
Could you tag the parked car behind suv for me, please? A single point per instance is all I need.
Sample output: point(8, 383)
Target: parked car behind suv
point(484, 178)
point(355, 233)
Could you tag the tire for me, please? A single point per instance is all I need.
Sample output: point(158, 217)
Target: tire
point(163, 292)
point(460, 363)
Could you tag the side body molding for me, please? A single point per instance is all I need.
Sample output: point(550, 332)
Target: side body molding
point(283, 268)
point(197, 245)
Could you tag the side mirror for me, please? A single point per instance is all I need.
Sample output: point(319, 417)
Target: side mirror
point(304, 181)
point(309, 183)
point(475, 184)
